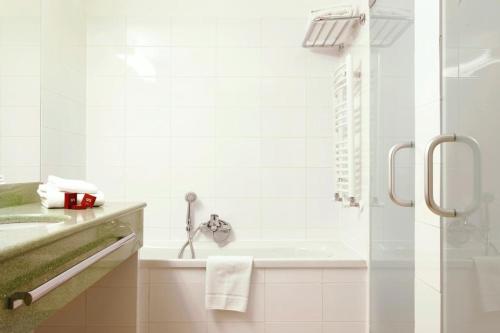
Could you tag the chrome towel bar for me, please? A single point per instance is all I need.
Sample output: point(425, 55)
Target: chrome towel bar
point(18, 299)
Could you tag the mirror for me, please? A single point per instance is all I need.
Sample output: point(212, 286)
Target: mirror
point(20, 78)
point(42, 89)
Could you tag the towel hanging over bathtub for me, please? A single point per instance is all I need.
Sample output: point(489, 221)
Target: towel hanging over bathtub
point(228, 283)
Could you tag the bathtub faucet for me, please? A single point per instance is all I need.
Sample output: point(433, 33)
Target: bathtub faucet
point(219, 229)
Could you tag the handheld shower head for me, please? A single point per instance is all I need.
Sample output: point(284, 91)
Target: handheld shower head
point(190, 197)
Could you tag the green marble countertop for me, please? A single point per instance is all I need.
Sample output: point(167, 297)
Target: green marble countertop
point(51, 224)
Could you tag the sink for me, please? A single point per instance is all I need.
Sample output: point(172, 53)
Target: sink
point(19, 228)
point(31, 219)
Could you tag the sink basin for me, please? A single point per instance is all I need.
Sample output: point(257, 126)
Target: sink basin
point(19, 228)
point(31, 220)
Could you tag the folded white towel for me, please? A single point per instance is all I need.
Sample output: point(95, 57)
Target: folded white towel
point(228, 283)
point(488, 274)
point(55, 199)
point(72, 185)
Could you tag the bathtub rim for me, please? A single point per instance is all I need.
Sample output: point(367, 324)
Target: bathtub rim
point(259, 263)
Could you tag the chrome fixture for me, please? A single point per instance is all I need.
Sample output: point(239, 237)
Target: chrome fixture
point(190, 197)
point(220, 229)
point(392, 174)
point(18, 299)
point(429, 175)
point(329, 27)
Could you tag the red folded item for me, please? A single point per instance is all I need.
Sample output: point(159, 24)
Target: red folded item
point(70, 200)
point(88, 200)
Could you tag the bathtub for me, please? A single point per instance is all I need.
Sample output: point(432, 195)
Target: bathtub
point(266, 254)
point(296, 287)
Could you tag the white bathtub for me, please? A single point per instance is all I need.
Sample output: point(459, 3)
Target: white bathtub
point(266, 254)
point(296, 286)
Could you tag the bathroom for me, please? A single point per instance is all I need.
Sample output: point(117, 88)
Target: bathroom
point(265, 166)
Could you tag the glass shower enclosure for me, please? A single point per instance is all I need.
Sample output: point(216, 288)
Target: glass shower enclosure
point(470, 208)
point(391, 137)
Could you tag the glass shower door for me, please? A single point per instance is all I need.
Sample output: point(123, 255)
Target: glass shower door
point(471, 167)
point(392, 125)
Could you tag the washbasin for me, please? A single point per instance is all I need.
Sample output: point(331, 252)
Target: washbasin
point(23, 221)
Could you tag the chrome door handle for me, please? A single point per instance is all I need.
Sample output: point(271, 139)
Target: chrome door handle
point(392, 174)
point(429, 175)
point(18, 299)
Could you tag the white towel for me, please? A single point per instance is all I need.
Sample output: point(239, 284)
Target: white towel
point(488, 274)
point(228, 283)
point(52, 198)
point(72, 185)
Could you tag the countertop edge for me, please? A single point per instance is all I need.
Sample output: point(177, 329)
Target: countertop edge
point(17, 250)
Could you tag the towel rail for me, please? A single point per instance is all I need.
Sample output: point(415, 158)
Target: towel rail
point(19, 299)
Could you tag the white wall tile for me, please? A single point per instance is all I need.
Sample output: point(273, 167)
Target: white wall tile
point(106, 91)
point(185, 179)
point(320, 182)
point(20, 60)
point(279, 213)
point(238, 62)
point(287, 327)
point(282, 32)
point(145, 152)
point(105, 122)
point(231, 92)
point(284, 61)
point(148, 92)
point(148, 31)
point(106, 60)
point(296, 275)
point(149, 61)
point(283, 122)
point(198, 32)
point(237, 182)
point(20, 91)
point(193, 122)
point(193, 152)
point(148, 180)
point(283, 152)
point(320, 152)
point(345, 327)
point(177, 302)
point(236, 327)
point(193, 92)
point(106, 31)
point(344, 302)
point(238, 32)
point(194, 61)
point(303, 304)
point(283, 92)
point(148, 121)
point(238, 122)
point(237, 152)
point(284, 182)
point(178, 327)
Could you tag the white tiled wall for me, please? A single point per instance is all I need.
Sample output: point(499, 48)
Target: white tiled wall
point(184, 96)
point(63, 86)
point(20, 90)
point(281, 300)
